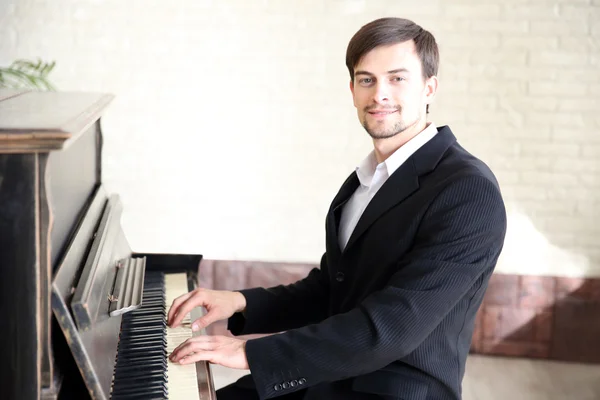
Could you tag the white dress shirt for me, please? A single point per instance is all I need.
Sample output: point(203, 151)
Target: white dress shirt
point(372, 176)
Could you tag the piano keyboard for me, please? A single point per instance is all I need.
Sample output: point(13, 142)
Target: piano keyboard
point(142, 369)
point(183, 380)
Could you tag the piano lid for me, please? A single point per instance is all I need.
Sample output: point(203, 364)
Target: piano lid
point(42, 121)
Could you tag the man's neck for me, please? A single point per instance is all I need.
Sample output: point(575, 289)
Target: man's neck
point(386, 147)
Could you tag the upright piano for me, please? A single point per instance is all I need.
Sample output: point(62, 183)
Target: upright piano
point(82, 315)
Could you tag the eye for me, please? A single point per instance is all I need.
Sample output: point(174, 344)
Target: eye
point(398, 78)
point(365, 81)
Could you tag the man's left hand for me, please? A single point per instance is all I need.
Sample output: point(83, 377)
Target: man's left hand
point(223, 350)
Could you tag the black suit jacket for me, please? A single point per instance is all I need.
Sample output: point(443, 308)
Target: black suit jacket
point(392, 314)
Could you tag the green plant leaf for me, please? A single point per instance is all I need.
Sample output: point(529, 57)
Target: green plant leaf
point(24, 73)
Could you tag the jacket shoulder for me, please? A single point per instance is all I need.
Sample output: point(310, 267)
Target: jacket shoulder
point(458, 164)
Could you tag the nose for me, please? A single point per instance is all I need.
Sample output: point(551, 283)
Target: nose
point(382, 92)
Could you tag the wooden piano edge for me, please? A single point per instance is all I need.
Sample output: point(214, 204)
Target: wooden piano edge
point(51, 393)
point(206, 385)
point(171, 263)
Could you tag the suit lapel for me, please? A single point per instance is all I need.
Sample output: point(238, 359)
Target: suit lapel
point(404, 181)
point(335, 212)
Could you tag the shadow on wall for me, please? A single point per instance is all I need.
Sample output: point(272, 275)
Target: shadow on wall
point(544, 299)
point(540, 317)
point(560, 247)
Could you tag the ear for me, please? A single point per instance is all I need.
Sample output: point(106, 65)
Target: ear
point(431, 87)
point(352, 90)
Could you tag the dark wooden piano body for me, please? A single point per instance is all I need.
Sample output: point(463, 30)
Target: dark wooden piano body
point(53, 208)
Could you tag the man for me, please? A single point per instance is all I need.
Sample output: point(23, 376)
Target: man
point(412, 239)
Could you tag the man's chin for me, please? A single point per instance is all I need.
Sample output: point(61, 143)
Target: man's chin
point(382, 133)
point(387, 131)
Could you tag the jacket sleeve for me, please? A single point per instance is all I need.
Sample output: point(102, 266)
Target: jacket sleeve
point(282, 307)
point(458, 242)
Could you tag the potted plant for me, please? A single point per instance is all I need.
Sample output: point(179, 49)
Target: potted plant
point(26, 74)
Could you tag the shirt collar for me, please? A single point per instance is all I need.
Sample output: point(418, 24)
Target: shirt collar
point(366, 169)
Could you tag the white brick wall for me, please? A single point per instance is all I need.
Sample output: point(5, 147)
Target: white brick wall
point(233, 125)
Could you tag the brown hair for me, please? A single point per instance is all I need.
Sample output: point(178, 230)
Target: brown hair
point(388, 31)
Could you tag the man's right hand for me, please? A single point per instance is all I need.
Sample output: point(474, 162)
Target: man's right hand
point(219, 304)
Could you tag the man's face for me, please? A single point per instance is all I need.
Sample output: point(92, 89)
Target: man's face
point(390, 94)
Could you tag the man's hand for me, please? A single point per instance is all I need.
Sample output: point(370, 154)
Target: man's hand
point(220, 304)
point(222, 350)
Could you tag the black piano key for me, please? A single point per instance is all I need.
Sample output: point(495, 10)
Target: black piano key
point(145, 396)
point(143, 339)
point(137, 343)
point(142, 335)
point(136, 330)
point(157, 396)
point(148, 349)
point(137, 380)
point(134, 378)
point(149, 343)
point(143, 387)
point(145, 366)
point(156, 365)
point(159, 343)
point(147, 326)
point(133, 394)
point(158, 355)
point(136, 346)
point(141, 318)
point(141, 362)
point(142, 312)
point(151, 301)
point(142, 324)
point(134, 368)
point(150, 304)
point(132, 351)
point(145, 311)
point(154, 343)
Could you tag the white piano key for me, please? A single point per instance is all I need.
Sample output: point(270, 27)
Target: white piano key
point(182, 379)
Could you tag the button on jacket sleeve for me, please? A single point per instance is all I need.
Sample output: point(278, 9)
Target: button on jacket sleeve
point(457, 243)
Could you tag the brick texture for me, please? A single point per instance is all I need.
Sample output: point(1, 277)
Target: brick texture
point(553, 317)
point(527, 316)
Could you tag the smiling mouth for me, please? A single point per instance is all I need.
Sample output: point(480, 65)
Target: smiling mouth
point(382, 113)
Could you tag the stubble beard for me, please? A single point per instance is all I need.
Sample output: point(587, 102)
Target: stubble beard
point(384, 132)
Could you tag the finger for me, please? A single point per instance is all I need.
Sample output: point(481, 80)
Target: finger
point(194, 340)
point(204, 321)
point(200, 356)
point(186, 307)
point(190, 347)
point(199, 340)
point(176, 303)
point(175, 306)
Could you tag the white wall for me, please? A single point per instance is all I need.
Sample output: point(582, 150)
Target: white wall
point(233, 125)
